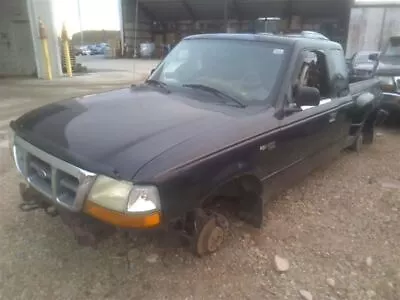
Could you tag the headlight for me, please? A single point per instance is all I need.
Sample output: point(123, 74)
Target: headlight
point(123, 204)
point(123, 196)
point(110, 193)
point(389, 81)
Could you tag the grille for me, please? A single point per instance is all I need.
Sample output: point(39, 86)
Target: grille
point(59, 181)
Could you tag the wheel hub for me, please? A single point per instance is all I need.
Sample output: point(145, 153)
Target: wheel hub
point(215, 239)
point(211, 230)
point(360, 141)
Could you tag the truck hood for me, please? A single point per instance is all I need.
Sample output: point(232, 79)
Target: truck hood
point(121, 130)
point(388, 66)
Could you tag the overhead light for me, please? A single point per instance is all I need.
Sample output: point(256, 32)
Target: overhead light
point(268, 19)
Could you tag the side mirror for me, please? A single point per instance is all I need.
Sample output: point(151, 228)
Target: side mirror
point(307, 96)
point(373, 56)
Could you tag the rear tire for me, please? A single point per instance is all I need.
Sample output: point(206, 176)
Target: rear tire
point(358, 142)
point(365, 136)
point(368, 134)
point(368, 129)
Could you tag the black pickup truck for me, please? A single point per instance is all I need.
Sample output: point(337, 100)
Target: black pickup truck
point(223, 123)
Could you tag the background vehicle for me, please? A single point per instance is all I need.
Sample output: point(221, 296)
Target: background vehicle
point(234, 125)
point(388, 72)
point(360, 66)
point(97, 49)
point(82, 50)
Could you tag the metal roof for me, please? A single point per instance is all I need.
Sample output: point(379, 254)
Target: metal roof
point(173, 10)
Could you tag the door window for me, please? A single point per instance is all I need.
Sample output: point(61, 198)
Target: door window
point(312, 72)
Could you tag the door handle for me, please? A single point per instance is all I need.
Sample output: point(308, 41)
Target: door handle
point(332, 117)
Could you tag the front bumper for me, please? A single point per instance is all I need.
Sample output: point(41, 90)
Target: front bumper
point(87, 230)
point(391, 102)
point(67, 187)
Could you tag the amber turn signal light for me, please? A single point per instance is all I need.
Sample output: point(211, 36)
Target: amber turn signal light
point(122, 220)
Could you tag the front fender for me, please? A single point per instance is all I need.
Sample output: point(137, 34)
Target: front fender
point(190, 188)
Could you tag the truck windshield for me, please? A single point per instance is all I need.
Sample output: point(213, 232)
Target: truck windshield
point(245, 70)
point(393, 47)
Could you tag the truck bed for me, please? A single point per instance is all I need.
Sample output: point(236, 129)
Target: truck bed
point(358, 87)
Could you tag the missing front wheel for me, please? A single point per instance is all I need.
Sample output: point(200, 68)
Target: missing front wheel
point(205, 231)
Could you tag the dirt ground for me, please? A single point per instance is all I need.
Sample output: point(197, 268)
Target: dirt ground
point(339, 229)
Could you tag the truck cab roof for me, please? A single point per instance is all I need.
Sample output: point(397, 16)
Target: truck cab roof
point(297, 41)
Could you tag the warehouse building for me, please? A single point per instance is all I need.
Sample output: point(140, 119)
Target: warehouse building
point(166, 21)
point(371, 25)
point(21, 51)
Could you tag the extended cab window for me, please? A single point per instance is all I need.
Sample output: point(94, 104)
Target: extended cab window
point(313, 72)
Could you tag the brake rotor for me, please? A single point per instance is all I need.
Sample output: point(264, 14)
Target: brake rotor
point(359, 142)
point(215, 239)
point(211, 235)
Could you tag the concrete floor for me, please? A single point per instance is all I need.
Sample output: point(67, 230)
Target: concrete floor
point(20, 95)
point(98, 63)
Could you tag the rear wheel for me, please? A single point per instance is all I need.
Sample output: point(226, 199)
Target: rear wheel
point(368, 134)
point(358, 142)
point(368, 129)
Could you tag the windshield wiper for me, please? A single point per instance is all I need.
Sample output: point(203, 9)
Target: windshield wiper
point(158, 83)
point(215, 92)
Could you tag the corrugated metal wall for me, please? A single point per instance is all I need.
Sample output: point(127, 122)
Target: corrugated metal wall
point(16, 50)
point(370, 28)
point(20, 50)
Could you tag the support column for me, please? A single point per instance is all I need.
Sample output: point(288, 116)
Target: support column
point(121, 27)
point(347, 16)
point(226, 15)
point(288, 15)
point(44, 9)
point(381, 39)
point(135, 44)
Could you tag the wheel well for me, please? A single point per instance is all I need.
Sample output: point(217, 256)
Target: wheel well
point(234, 188)
point(251, 183)
point(239, 196)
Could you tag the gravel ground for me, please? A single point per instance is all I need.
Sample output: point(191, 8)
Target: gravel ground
point(338, 229)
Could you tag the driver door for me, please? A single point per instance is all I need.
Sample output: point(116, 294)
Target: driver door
point(303, 134)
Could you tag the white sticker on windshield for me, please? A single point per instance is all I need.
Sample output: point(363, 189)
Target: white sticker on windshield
point(278, 51)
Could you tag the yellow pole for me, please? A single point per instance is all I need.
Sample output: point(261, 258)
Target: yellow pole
point(45, 45)
point(64, 37)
